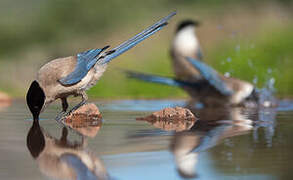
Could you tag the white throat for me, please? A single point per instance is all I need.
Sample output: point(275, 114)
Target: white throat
point(185, 41)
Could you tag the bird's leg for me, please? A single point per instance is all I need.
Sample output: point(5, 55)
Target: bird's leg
point(64, 108)
point(84, 100)
point(64, 104)
point(63, 138)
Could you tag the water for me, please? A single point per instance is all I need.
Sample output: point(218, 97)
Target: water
point(231, 143)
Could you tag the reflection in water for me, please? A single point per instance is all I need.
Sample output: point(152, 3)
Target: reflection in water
point(249, 156)
point(173, 125)
point(62, 159)
point(177, 119)
point(266, 121)
point(210, 130)
point(85, 124)
point(264, 152)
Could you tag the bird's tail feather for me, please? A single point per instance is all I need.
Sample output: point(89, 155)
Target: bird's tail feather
point(157, 79)
point(108, 56)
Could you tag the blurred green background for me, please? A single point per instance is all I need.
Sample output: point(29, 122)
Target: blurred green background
point(252, 40)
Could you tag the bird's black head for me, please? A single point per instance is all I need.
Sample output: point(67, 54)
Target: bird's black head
point(35, 140)
point(35, 99)
point(186, 23)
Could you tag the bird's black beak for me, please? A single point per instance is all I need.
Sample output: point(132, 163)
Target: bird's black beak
point(35, 99)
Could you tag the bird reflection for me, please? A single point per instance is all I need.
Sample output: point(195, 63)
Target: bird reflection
point(62, 159)
point(213, 126)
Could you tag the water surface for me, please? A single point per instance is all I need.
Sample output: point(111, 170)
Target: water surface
point(224, 144)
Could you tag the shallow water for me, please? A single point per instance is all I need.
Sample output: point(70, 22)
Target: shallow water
point(224, 144)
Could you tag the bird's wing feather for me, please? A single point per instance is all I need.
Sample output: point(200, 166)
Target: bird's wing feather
point(85, 61)
point(211, 76)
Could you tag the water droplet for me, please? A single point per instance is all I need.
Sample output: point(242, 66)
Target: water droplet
point(269, 70)
point(227, 74)
point(272, 80)
point(255, 79)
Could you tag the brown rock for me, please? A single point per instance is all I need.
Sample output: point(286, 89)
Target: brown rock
point(177, 119)
point(86, 120)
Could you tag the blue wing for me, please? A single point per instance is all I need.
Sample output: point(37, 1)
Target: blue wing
point(85, 61)
point(211, 76)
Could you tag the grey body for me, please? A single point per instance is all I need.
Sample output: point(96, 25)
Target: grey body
point(49, 75)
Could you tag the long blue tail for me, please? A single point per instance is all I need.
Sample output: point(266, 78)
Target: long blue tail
point(109, 55)
point(158, 79)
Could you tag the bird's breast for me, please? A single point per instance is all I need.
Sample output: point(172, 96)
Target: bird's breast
point(94, 75)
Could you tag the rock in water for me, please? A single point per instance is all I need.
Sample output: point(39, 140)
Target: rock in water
point(87, 120)
point(177, 119)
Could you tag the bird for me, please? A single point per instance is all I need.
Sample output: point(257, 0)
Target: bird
point(185, 43)
point(213, 90)
point(73, 75)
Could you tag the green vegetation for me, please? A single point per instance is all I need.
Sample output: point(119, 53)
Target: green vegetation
point(267, 55)
point(38, 31)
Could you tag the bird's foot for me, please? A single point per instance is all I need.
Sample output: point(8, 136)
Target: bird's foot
point(76, 107)
point(60, 116)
